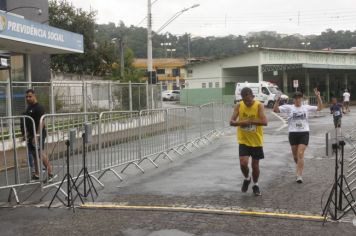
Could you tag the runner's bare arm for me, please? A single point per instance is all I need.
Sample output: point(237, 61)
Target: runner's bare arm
point(276, 105)
point(234, 121)
point(262, 121)
point(235, 115)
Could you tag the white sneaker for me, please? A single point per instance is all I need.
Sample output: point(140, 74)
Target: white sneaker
point(299, 179)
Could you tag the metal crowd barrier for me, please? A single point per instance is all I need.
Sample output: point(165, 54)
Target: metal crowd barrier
point(350, 174)
point(177, 129)
point(16, 166)
point(154, 133)
point(118, 139)
point(53, 145)
point(207, 120)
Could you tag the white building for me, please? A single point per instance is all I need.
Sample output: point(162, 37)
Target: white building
point(330, 71)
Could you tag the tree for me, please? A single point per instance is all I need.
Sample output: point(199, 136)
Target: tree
point(62, 14)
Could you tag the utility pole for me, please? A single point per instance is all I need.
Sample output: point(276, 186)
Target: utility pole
point(149, 41)
point(122, 58)
point(188, 47)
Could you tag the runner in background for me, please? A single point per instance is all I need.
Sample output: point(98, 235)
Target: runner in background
point(346, 97)
point(336, 110)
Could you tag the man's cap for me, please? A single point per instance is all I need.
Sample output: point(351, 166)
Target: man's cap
point(297, 95)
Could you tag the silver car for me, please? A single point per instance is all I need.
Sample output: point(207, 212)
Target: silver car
point(171, 95)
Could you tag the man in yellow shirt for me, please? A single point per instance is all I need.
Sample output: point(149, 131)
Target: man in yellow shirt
point(249, 117)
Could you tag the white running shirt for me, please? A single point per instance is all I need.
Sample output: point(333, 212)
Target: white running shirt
point(346, 96)
point(298, 117)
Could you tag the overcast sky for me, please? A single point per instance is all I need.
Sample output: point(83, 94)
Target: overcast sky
point(224, 17)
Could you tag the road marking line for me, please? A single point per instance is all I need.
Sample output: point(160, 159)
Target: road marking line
point(285, 123)
point(300, 216)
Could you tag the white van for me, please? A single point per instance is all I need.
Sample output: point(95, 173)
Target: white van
point(264, 92)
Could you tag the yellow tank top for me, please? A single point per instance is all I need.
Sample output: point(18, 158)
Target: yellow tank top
point(251, 136)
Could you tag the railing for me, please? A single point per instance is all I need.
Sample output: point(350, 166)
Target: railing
point(80, 96)
point(350, 138)
point(121, 139)
point(17, 163)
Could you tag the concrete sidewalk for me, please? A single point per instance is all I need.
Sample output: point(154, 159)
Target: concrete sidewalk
point(209, 178)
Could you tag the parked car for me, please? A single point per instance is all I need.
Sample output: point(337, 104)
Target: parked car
point(171, 95)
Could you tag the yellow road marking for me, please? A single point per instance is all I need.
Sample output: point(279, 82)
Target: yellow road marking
point(204, 210)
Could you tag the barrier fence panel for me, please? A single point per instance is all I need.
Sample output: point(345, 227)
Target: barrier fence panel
point(228, 110)
point(351, 165)
point(139, 97)
point(68, 97)
point(16, 158)
point(98, 96)
point(193, 123)
point(222, 115)
point(153, 132)
point(52, 143)
point(119, 139)
point(4, 102)
point(207, 118)
point(176, 118)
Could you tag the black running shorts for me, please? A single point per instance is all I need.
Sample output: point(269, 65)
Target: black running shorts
point(254, 152)
point(337, 121)
point(296, 138)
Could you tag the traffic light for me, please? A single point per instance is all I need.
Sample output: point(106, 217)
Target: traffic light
point(152, 77)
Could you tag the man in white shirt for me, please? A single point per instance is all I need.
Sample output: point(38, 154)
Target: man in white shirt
point(346, 104)
point(298, 127)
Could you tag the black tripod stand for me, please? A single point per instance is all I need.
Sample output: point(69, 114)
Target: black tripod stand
point(70, 185)
point(87, 180)
point(334, 205)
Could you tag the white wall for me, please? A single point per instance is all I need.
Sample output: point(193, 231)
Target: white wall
point(197, 83)
point(212, 71)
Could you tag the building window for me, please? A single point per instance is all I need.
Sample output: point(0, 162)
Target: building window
point(210, 84)
point(217, 85)
point(190, 73)
point(161, 71)
point(175, 72)
point(203, 85)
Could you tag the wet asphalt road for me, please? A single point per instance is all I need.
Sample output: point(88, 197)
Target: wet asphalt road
point(209, 177)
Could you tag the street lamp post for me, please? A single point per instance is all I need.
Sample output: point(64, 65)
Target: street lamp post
point(305, 44)
point(149, 33)
point(149, 41)
point(175, 16)
point(253, 46)
point(39, 10)
point(164, 45)
point(171, 50)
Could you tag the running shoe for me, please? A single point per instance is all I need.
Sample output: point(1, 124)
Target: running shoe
point(256, 190)
point(51, 177)
point(35, 177)
point(299, 179)
point(245, 185)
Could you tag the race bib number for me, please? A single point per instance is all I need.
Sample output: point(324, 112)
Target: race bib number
point(299, 124)
point(249, 128)
point(337, 113)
